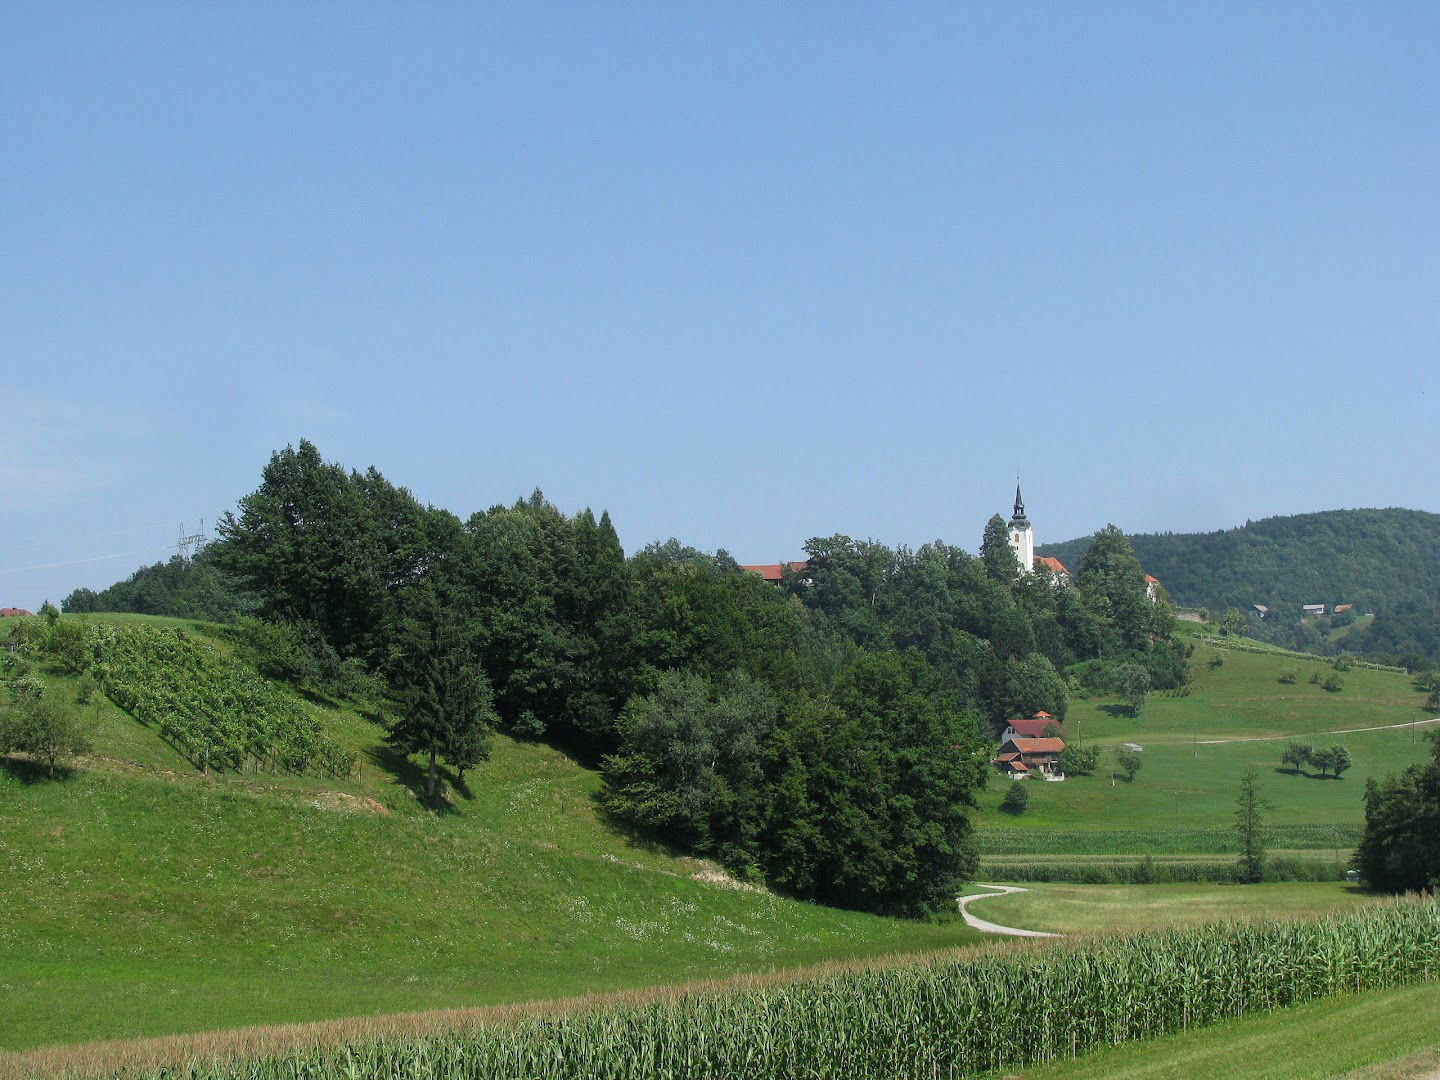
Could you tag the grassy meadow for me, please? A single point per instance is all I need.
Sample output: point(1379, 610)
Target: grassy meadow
point(1183, 797)
point(138, 897)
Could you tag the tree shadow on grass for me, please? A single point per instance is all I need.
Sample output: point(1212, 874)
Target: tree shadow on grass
point(413, 776)
point(35, 772)
point(1119, 711)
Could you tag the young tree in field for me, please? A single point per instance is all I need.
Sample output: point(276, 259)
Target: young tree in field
point(46, 731)
point(1132, 684)
point(1250, 807)
point(1128, 762)
point(1295, 755)
point(1322, 760)
point(1016, 799)
point(1339, 760)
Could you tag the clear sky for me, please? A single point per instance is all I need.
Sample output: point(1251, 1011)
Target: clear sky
point(741, 273)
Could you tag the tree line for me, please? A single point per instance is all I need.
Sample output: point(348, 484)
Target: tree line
point(826, 736)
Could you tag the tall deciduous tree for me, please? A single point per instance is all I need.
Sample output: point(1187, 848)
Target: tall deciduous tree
point(996, 552)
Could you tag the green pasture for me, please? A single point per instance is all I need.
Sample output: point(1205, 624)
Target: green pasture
point(1187, 783)
point(132, 905)
point(1378, 1035)
point(1071, 909)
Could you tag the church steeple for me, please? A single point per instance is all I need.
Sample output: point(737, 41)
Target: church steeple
point(1022, 535)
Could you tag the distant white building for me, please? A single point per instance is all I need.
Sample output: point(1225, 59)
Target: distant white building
point(1022, 542)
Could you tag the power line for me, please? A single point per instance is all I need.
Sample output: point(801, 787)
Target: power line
point(77, 562)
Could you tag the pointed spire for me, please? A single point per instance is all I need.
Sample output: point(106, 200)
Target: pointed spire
point(1018, 520)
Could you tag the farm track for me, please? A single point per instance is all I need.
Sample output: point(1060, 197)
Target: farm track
point(1337, 731)
point(995, 928)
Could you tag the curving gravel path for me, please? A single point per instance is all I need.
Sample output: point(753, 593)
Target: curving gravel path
point(995, 928)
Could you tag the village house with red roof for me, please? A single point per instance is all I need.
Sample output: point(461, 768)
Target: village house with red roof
point(12, 612)
point(1020, 758)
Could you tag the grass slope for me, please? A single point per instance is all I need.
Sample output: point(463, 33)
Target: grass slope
point(1188, 780)
point(139, 898)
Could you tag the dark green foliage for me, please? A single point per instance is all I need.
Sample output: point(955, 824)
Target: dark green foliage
point(319, 546)
point(1333, 684)
point(1295, 755)
point(691, 764)
point(1250, 807)
point(1017, 798)
point(188, 589)
point(443, 699)
point(996, 552)
point(1079, 759)
point(1400, 850)
point(1132, 684)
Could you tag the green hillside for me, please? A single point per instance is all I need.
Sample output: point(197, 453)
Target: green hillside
point(1382, 561)
point(142, 897)
point(1236, 716)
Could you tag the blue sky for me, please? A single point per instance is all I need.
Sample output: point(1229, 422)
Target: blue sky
point(739, 273)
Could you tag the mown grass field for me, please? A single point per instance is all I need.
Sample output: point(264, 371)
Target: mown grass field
point(1185, 790)
point(138, 897)
point(1380, 1035)
point(1080, 909)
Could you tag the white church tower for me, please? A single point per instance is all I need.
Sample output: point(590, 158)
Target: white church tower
point(1022, 536)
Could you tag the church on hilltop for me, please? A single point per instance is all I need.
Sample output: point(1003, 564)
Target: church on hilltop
point(1022, 542)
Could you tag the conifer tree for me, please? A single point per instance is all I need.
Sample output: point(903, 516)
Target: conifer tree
point(443, 696)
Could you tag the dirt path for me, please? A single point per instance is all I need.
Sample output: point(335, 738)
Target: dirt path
point(990, 927)
point(1306, 735)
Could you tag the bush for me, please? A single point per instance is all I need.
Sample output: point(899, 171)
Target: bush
point(1289, 676)
point(1016, 799)
point(1333, 685)
point(48, 733)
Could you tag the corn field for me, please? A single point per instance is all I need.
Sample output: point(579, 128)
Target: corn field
point(1000, 1009)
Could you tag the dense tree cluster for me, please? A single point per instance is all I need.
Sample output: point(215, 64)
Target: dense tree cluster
point(826, 736)
point(1381, 561)
point(1400, 849)
point(186, 588)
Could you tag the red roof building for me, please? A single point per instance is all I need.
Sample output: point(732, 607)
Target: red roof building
point(11, 612)
point(772, 571)
point(1020, 756)
point(1029, 727)
point(1054, 565)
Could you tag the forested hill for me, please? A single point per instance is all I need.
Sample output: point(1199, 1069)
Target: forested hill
point(1382, 561)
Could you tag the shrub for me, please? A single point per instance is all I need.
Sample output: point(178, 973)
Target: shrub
point(1289, 676)
point(1333, 685)
point(1016, 799)
point(48, 733)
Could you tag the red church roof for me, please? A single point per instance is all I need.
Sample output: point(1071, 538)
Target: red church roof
point(1054, 565)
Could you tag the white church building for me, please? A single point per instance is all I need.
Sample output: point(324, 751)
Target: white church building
point(1022, 542)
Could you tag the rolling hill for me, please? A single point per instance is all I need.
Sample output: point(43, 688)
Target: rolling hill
point(1382, 561)
point(144, 898)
